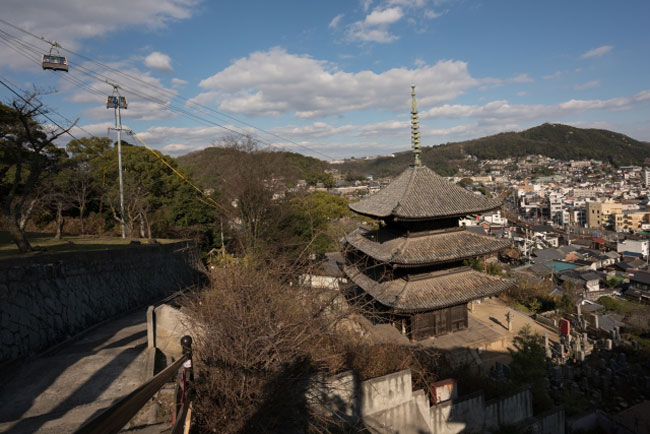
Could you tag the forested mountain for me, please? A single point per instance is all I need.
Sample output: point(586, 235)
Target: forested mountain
point(211, 166)
point(559, 141)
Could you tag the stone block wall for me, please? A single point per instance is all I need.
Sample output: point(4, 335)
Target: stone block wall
point(46, 299)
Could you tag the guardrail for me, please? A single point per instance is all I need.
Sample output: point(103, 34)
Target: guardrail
point(114, 418)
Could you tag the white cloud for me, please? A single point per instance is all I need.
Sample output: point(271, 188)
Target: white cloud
point(374, 27)
point(491, 82)
point(521, 78)
point(274, 82)
point(588, 85)
point(596, 52)
point(70, 22)
point(147, 97)
point(383, 17)
point(522, 93)
point(431, 14)
point(178, 82)
point(360, 33)
point(177, 148)
point(315, 130)
point(408, 3)
point(335, 21)
point(498, 111)
point(159, 62)
point(366, 4)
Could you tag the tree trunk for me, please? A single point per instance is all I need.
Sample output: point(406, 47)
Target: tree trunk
point(81, 218)
point(60, 221)
point(17, 235)
point(142, 235)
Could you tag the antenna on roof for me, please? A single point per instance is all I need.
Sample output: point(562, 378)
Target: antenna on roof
point(415, 128)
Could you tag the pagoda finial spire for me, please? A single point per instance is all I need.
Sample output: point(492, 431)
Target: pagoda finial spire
point(415, 128)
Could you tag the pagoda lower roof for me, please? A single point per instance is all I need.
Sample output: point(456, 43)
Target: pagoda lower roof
point(424, 248)
point(418, 193)
point(431, 291)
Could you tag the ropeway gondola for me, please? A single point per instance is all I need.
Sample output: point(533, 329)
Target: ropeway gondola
point(53, 60)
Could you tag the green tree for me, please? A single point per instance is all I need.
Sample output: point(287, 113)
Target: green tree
point(315, 215)
point(27, 157)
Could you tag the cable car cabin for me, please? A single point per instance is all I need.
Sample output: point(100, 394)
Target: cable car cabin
point(113, 101)
point(56, 63)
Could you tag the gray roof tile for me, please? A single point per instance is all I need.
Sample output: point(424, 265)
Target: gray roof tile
point(419, 194)
point(429, 248)
point(436, 291)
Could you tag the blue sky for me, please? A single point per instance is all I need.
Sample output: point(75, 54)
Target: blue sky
point(332, 79)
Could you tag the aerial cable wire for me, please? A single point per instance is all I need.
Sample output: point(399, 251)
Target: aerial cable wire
point(213, 203)
point(39, 110)
point(43, 104)
point(171, 94)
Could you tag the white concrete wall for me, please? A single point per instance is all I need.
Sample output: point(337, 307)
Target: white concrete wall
point(385, 392)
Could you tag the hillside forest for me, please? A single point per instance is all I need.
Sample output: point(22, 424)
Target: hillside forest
point(242, 201)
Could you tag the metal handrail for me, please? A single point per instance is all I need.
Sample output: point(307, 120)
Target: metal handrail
point(114, 418)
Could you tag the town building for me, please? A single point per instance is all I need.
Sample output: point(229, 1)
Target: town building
point(602, 213)
point(411, 270)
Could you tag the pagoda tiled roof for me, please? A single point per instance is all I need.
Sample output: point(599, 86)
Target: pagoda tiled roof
point(418, 193)
point(430, 291)
point(426, 248)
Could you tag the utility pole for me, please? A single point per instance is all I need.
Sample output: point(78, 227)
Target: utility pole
point(118, 102)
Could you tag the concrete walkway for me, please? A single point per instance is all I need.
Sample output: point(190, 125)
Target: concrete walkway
point(493, 313)
point(59, 392)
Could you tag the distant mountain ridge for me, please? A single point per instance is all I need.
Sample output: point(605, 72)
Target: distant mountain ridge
point(559, 141)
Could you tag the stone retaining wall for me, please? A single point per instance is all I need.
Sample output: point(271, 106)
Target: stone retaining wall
point(46, 299)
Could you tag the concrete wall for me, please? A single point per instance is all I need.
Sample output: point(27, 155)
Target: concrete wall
point(385, 392)
point(388, 405)
point(166, 325)
point(46, 299)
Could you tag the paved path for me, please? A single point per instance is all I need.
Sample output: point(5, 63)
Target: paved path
point(493, 313)
point(59, 392)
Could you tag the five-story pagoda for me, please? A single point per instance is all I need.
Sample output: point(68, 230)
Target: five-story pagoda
point(411, 268)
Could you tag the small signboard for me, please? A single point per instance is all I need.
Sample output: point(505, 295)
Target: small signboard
point(565, 327)
point(443, 390)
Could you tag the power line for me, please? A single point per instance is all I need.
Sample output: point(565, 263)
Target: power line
point(38, 110)
point(169, 94)
point(49, 109)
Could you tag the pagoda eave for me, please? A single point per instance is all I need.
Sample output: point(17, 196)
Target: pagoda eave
point(418, 251)
point(438, 290)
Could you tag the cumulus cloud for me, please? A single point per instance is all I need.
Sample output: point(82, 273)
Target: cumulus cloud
point(375, 26)
point(69, 23)
point(383, 17)
point(597, 52)
point(147, 97)
point(159, 62)
point(274, 82)
point(588, 85)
